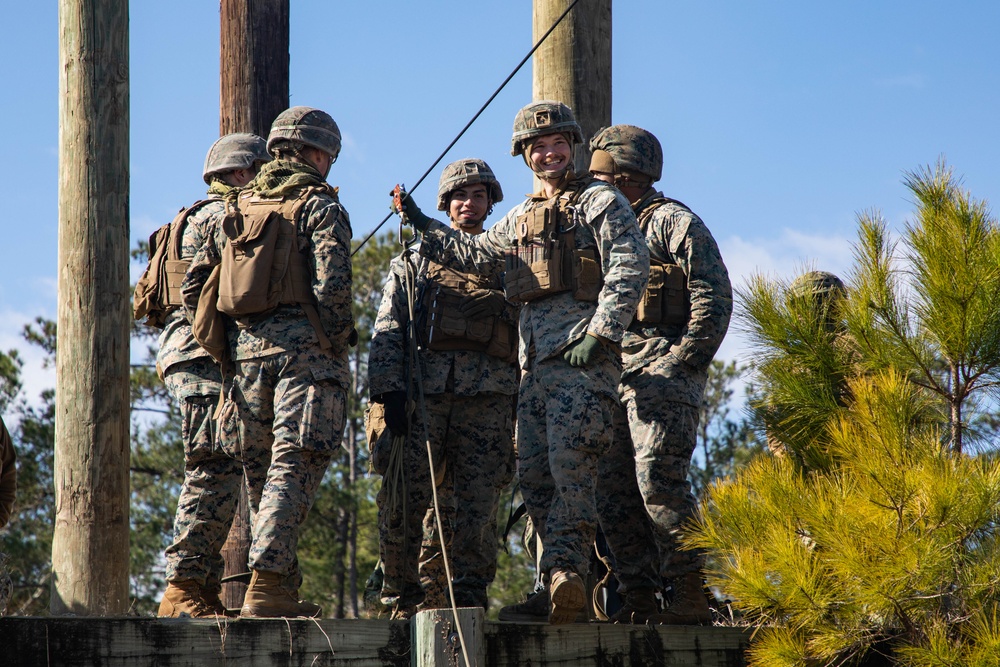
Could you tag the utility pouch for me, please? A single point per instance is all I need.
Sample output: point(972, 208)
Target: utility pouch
point(587, 276)
point(448, 330)
point(255, 258)
point(208, 327)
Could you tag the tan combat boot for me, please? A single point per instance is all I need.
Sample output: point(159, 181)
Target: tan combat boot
point(184, 598)
point(267, 598)
point(568, 595)
point(690, 605)
point(640, 606)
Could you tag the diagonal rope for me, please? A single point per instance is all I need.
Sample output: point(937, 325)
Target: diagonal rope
point(473, 120)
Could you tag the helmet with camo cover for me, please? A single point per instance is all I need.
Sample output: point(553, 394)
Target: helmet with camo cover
point(817, 284)
point(308, 126)
point(240, 150)
point(629, 148)
point(467, 172)
point(541, 118)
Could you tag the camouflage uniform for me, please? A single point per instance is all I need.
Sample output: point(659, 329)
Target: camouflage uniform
point(285, 407)
point(562, 411)
point(212, 477)
point(665, 369)
point(469, 403)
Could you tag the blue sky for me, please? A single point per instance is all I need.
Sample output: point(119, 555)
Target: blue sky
point(779, 120)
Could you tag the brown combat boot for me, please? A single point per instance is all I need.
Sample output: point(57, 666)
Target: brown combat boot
point(569, 596)
point(267, 598)
point(184, 598)
point(640, 606)
point(690, 604)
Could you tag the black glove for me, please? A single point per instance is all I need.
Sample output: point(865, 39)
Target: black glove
point(582, 353)
point(482, 303)
point(414, 216)
point(395, 411)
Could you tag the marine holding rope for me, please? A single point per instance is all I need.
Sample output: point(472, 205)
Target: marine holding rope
point(575, 258)
point(465, 338)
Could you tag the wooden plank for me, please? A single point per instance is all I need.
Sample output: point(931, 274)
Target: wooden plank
point(602, 644)
point(124, 642)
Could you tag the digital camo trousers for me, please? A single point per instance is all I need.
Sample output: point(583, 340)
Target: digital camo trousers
point(287, 425)
point(212, 477)
point(644, 495)
point(472, 444)
point(562, 431)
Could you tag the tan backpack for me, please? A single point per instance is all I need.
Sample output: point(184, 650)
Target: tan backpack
point(261, 267)
point(158, 290)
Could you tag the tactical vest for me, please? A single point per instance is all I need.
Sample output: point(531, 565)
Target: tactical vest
point(444, 326)
point(158, 290)
point(544, 259)
point(261, 265)
point(666, 299)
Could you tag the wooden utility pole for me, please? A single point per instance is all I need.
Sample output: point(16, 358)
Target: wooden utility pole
point(254, 67)
point(90, 545)
point(253, 75)
point(573, 66)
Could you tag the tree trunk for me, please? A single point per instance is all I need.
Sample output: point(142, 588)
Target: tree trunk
point(254, 67)
point(90, 545)
point(573, 66)
point(253, 73)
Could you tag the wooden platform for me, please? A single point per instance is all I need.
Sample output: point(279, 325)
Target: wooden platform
point(131, 642)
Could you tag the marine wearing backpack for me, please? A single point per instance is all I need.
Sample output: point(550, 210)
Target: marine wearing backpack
point(287, 372)
point(211, 477)
point(158, 290)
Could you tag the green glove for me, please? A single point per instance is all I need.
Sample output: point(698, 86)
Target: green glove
point(584, 352)
point(482, 303)
point(414, 216)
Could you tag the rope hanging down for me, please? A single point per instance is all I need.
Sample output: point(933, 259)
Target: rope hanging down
point(472, 120)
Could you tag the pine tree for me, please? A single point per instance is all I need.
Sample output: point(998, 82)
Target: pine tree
point(875, 536)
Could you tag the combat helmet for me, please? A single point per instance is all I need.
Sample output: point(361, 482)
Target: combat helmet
point(627, 148)
point(467, 172)
point(541, 118)
point(308, 126)
point(239, 150)
point(817, 284)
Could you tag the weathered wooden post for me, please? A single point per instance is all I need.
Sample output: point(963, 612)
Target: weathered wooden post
point(436, 639)
point(254, 64)
point(573, 66)
point(90, 545)
point(253, 76)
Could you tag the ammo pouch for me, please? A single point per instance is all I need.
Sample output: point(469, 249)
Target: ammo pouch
point(545, 260)
point(447, 329)
point(666, 299)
